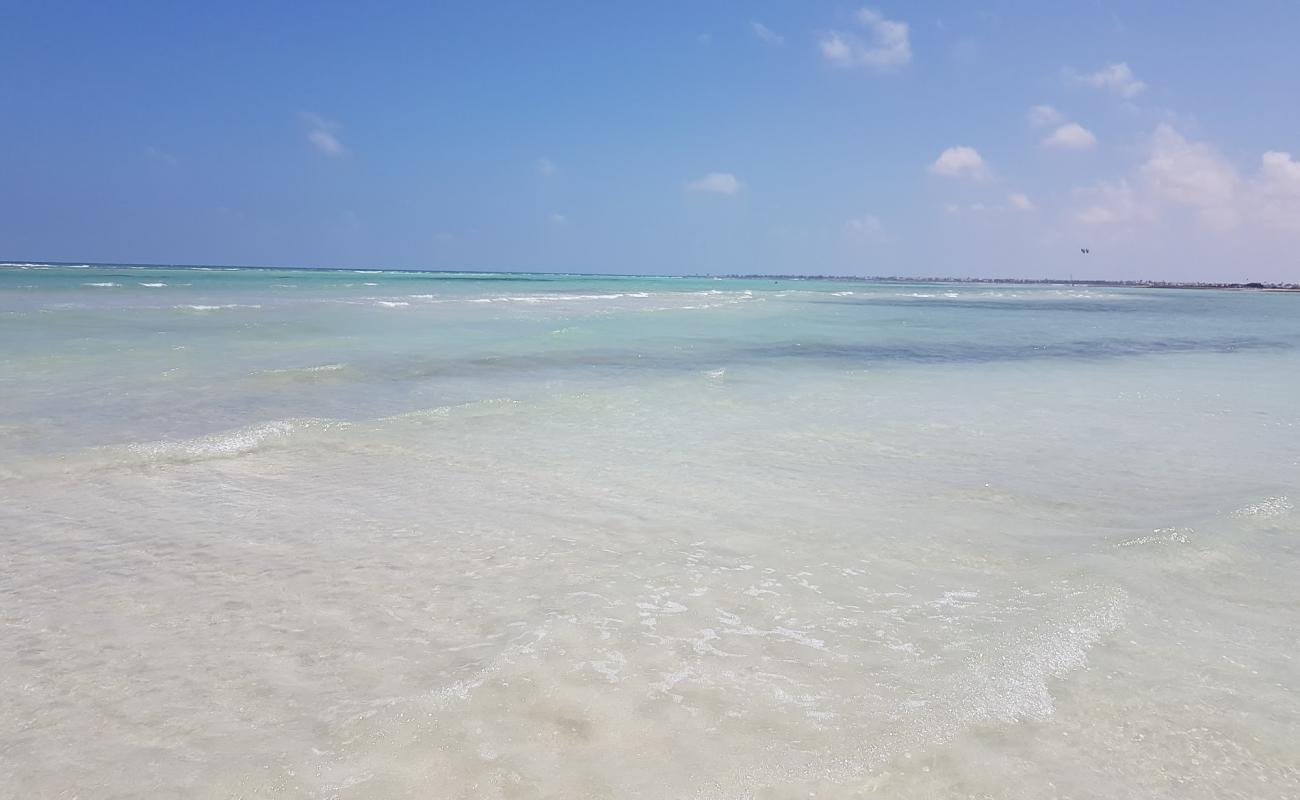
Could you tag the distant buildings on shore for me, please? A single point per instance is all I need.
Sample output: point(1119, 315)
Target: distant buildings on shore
point(1146, 284)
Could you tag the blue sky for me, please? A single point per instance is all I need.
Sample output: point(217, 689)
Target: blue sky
point(990, 139)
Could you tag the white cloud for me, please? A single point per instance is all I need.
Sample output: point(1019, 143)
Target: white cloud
point(1183, 174)
point(716, 182)
point(326, 142)
point(868, 227)
point(158, 156)
point(1071, 136)
point(1117, 78)
point(887, 45)
point(1020, 201)
point(1281, 170)
point(1016, 201)
point(546, 167)
point(1192, 174)
point(977, 207)
point(1278, 190)
point(557, 218)
point(960, 162)
point(765, 33)
point(1112, 203)
point(322, 133)
point(1044, 116)
point(836, 50)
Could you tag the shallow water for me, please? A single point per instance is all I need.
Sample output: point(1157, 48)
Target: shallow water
point(379, 535)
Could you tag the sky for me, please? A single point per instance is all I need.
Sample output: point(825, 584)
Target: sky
point(989, 139)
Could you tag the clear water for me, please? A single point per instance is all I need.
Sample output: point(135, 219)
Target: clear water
point(299, 534)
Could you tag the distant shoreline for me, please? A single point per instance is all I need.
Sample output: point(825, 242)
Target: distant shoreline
point(1257, 286)
point(1249, 286)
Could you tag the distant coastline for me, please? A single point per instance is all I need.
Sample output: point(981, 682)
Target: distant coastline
point(1259, 286)
point(1263, 286)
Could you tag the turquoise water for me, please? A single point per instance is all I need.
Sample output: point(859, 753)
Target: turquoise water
point(295, 533)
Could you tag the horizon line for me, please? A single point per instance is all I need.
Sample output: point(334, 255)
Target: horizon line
point(1135, 282)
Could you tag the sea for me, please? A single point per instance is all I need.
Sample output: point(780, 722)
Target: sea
point(344, 534)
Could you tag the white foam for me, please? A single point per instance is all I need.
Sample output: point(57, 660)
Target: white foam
point(324, 368)
point(535, 299)
point(1268, 508)
point(1160, 536)
point(307, 370)
point(228, 444)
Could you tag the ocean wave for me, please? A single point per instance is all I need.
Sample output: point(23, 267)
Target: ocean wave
point(1269, 508)
point(1117, 304)
point(105, 284)
point(1160, 536)
point(314, 372)
point(154, 285)
point(207, 447)
point(699, 306)
point(1012, 683)
point(1007, 680)
point(552, 298)
point(473, 407)
point(535, 299)
point(996, 663)
point(225, 445)
point(247, 440)
point(221, 307)
point(319, 368)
